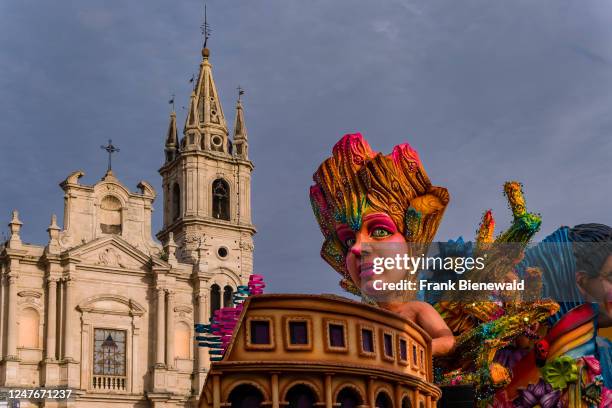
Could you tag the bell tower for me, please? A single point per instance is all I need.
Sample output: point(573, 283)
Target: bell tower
point(207, 184)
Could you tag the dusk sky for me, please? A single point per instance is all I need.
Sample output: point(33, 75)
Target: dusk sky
point(485, 91)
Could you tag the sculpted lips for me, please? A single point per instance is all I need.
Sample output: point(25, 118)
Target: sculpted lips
point(367, 270)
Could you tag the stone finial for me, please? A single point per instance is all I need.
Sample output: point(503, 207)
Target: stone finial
point(53, 247)
point(172, 142)
point(241, 144)
point(15, 228)
point(170, 249)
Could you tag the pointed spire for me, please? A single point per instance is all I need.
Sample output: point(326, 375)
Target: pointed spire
point(211, 120)
point(205, 127)
point(15, 228)
point(172, 144)
point(240, 130)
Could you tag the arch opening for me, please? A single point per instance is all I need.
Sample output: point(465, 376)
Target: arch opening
point(176, 202)
point(383, 400)
point(228, 292)
point(349, 398)
point(245, 396)
point(215, 298)
point(301, 396)
point(110, 215)
point(221, 201)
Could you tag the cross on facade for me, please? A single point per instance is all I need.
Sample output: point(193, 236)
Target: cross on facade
point(110, 149)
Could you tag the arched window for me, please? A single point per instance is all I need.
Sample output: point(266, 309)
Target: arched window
point(28, 328)
point(221, 201)
point(227, 296)
point(383, 400)
point(176, 201)
point(245, 396)
point(110, 215)
point(182, 340)
point(348, 398)
point(406, 403)
point(301, 396)
point(215, 299)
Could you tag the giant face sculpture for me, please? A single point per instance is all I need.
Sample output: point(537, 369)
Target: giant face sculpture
point(360, 195)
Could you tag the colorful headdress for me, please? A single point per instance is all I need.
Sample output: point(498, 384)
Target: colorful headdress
point(356, 178)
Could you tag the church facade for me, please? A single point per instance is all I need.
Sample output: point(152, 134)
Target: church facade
point(104, 309)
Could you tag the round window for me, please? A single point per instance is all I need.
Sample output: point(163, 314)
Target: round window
point(222, 252)
point(216, 140)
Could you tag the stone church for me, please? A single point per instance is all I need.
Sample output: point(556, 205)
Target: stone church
point(103, 308)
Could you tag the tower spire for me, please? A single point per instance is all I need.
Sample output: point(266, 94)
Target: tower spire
point(240, 130)
point(205, 112)
point(172, 143)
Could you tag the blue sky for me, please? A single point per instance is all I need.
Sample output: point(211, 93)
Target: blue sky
point(485, 91)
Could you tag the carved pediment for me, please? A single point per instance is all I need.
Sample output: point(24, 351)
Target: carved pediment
point(111, 252)
point(112, 257)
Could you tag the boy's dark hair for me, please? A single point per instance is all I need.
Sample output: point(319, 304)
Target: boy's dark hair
point(592, 245)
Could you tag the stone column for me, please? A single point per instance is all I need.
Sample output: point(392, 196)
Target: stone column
point(159, 341)
point(203, 356)
point(11, 342)
point(69, 323)
point(170, 330)
point(2, 312)
point(328, 391)
point(136, 356)
point(51, 318)
point(274, 386)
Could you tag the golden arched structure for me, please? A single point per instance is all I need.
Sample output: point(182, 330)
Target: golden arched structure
point(309, 384)
point(348, 385)
point(238, 383)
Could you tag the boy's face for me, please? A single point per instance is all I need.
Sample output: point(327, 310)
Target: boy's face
point(599, 289)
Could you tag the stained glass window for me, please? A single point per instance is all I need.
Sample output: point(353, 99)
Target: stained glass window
point(109, 352)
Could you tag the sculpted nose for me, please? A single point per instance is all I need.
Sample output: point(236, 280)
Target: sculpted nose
point(359, 249)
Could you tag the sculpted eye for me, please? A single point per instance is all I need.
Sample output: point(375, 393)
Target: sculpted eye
point(349, 242)
point(380, 232)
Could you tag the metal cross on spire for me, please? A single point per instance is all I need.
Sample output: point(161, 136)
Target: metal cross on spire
point(205, 28)
point(171, 102)
point(240, 92)
point(110, 149)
